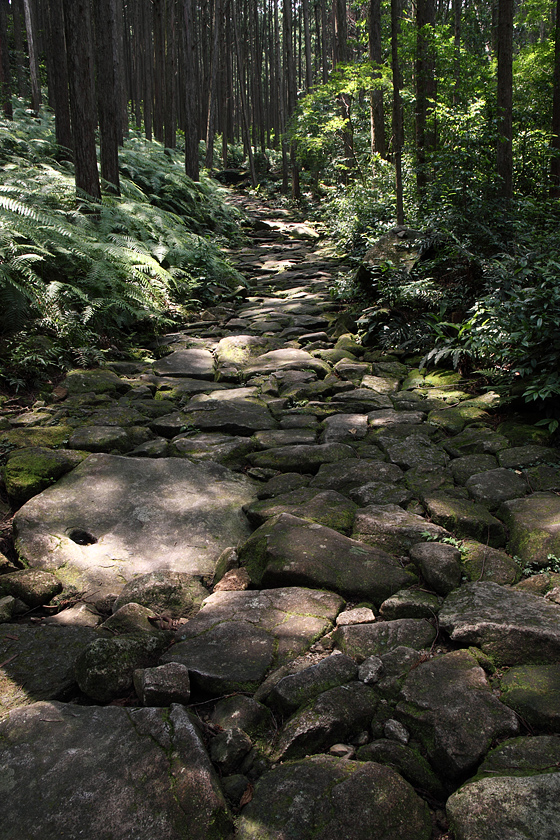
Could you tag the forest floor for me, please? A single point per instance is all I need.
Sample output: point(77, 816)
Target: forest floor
point(277, 584)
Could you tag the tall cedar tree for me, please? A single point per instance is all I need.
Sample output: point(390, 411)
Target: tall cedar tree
point(58, 73)
point(397, 107)
point(555, 142)
point(425, 88)
point(105, 19)
point(191, 87)
point(79, 50)
point(504, 103)
point(377, 113)
point(5, 78)
point(33, 56)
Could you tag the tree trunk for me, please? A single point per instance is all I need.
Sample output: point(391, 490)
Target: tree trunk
point(159, 64)
point(191, 88)
point(147, 61)
point(244, 108)
point(18, 46)
point(105, 15)
point(292, 91)
point(79, 50)
point(555, 142)
point(425, 88)
point(33, 57)
point(504, 98)
point(170, 134)
point(58, 74)
point(213, 91)
point(308, 57)
point(5, 75)
point(397, 107)
point(377, 112)
point(457, 8)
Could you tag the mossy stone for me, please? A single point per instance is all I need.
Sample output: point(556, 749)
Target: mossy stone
point(520, 434)
point(31, 470)
point(481, 562)
point(465, 519)
point(98, 381)
point(533, 691)
point(105, 669)
point(46, 436)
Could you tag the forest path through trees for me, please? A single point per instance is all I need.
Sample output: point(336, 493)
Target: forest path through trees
point(269, 584)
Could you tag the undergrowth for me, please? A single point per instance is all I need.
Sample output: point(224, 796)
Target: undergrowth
point(75, 280)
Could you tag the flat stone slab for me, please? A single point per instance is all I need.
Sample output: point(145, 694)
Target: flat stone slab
point(286, 359)
point(363, 640)
point(507, 807)
point(238, 636)
point(237, 416)
point(196, 364)
point(448, 705)
point(493, 487)
point(465, 518)
point(289, 551)
point(413, 451)
point(512, 626)
point(85, 773)
point(393, 529)
point(113, 518)
point(327, 507)
point(534, 527)
point(323, 797)
point(38, 662)
point(229, 450)
point(301, 458)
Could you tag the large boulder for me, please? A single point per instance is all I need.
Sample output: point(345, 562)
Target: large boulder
point(84, 773)
point(323, 798)
point(448, 705)
point(38, 662)
point(534, 527)
point(393, 529)
point(288, 551)
point(334, 716)
point(238, 636)
point(113, 518)
point(514, 627)
point(507, 807)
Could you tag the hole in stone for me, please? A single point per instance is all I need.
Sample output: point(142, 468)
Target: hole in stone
point(81, 537)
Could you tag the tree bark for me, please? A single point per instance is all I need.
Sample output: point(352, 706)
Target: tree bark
point(105, 15)
point(191, 88)
point(555, 142)
point(291, 83)
point(457, 8)
point(425, 88)
point(397, 107)
point(244, 107)
point(79, 50)
point(213, 91)
point(5, 75)
point(377, 113)
point(159, 71)
point(504, 155)
point(308, 56)
point(58, 74)
point(170, 117)
point(33, 57)
point(17, 14)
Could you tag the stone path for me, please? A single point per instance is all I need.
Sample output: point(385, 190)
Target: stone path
point(270, 585)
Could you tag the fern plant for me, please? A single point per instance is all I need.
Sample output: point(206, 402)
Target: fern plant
point(80, 279)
